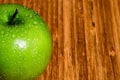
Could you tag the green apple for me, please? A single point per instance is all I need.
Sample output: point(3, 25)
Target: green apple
point(25, 43)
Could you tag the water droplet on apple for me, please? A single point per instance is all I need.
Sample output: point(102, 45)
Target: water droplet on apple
point(22, 21)
point(35, 22)
point(21, 73)
point(22, 29)
point(2, 36)
point(14, 51)
point(16, 45)
point(26, 15)
point(10, 31)
point(19, 54)
point(17, 30)
point(37, 39)
point(39, 55)
point(16, 26)
point(20, 44)
point(31, 16)
point(22, 35)
point(5, 11)
point(13, 36)
point(29, 26)
point(36, 26)
point(41, 23)
point(6, 34)
point(18, 62)
point(2, 32)
point(28, 39)
point(36, 52)
point(3, 41)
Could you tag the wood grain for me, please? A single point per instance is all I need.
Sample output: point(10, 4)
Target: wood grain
point(85, 34)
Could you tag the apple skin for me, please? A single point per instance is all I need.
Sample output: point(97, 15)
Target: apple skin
point(25, 46)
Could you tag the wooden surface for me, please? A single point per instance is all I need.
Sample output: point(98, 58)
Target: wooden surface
point(86, 38)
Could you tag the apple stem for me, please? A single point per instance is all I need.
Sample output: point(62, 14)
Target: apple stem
point(13, 17)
